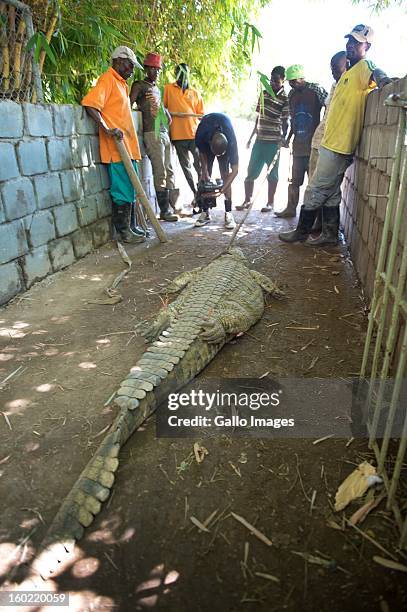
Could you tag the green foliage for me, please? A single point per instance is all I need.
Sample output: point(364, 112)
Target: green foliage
point(379, 5)
point(214, 37)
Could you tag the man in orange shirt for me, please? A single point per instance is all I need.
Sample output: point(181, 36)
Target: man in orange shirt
point(182, 100)
point(108, 104)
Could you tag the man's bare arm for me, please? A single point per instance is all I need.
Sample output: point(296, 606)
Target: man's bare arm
point(97, 117)
point(380, 78)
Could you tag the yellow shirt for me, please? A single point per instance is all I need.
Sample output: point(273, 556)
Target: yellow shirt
point(178, 101)
point(110, 96)
point(344, 122)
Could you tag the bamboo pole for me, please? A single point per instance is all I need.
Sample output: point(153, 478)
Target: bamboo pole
point(5, 72)
point(135, 181)
point(17, 61)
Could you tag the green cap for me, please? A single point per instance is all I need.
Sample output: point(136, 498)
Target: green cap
point(296, 71)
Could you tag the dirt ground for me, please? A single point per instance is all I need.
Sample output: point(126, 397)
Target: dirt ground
point(143, 552)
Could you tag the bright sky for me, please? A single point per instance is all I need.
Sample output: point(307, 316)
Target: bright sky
point(309, 32)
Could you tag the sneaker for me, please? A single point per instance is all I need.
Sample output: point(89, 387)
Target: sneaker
point(230, 223)
point(267, 208)
point(203, 219)
point(243, 206)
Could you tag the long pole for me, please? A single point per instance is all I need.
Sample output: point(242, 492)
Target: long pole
point(135, 181)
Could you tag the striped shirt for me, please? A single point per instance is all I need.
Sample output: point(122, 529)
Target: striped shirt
point(272, 112)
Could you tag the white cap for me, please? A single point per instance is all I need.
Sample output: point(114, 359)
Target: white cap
point(361, 33)
point(125, 53)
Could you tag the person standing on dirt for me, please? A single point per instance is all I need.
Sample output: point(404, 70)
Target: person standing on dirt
point(306, 101)
point(108, 104)
point(270, 127)
point(343, 129)
point(215, 137)
point(147, 96)
point(339, 63)
point(184, 103)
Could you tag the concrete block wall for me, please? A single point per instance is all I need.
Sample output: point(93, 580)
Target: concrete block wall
point(366, 184)
point(55, 205)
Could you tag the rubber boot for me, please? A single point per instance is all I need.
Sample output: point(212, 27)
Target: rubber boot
point(272, 186)
point(317, 227)
point(121, 221)
point(163, 200)
point(330, 228)
point(291, 208)
point(135, 225)
point(174, 195)
point(248, 193)
point(300, 234)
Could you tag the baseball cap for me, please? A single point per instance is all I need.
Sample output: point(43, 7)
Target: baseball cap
point(125, 53)
point(153, 59)
point(361, 33)
point(296, 71)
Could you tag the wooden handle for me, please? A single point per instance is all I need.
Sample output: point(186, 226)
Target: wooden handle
point(185, 114)
point(135, 181)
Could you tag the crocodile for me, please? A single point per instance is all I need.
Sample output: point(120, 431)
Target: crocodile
point(216, 303)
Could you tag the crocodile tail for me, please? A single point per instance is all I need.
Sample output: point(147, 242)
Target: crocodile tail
point(167, 365)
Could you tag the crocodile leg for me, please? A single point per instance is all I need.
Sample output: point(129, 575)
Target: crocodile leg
point(229, 320)
point(166, 317)
point(267, 284)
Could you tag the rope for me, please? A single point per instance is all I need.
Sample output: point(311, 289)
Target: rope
point(241, 223)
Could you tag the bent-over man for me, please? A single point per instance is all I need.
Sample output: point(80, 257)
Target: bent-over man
point(215, 137)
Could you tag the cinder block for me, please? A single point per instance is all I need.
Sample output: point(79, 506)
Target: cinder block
point(38, 119)
point(373, 187)
point(66, 220)
point(59, 154)
point(18, 198)
point(2, 213)
point(40, 228)
point(371, 109)
point(64, 120)
point(82, 242)
point(36, 265)
point(14, 125)
point(48, 190)
point(72, 187)
point(32, 157)
point(81, 151)
point(94, 143)
point(104, 204)
point(101, 232)
point(84, 124)
point(104, 176)
point(391, 149)
point(87, 210)
point(8, 162)
point(61, 253)
point(91, 180)
point(382, 109)
point(11, 281)
point(13, 242)
point(366, 224)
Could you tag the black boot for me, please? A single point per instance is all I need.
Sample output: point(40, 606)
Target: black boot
point(163, 200)
point(173, 199)
point(300, 234)
point(330, 228)
point(121, 221)
point(317, 227)
point(135, 225)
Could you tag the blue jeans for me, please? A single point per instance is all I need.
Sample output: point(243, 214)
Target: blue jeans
point(324, 188)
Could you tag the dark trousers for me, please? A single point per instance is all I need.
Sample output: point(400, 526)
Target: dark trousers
point(183, 149)
point(299, 168)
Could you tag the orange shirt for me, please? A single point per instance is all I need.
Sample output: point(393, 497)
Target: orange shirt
point(110, 96)
point(178, 101)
